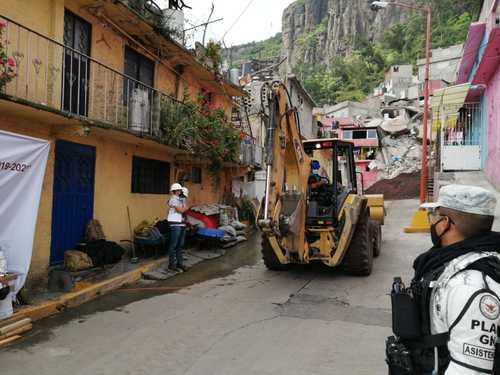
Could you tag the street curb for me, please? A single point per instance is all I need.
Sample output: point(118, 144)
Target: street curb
point(73, 299)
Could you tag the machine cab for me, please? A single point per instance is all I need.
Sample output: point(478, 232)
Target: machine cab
point(331, 180)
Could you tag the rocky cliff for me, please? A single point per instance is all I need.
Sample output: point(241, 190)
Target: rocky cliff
point(315, 31)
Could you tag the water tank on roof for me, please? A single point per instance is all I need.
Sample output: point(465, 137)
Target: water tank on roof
point(173, 19)
point(234, 76)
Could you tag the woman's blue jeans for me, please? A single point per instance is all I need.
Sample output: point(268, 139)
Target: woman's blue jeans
point(176, 244)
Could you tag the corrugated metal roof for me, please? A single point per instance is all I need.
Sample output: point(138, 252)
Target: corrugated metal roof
point(451, 97)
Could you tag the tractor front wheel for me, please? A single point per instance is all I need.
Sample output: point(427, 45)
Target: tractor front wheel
point(359, 258)
point(376, 232)
point(271, 261)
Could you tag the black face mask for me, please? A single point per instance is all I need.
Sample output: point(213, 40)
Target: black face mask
point(436, 239)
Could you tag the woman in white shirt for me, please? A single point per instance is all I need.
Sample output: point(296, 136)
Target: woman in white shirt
point(176, 207)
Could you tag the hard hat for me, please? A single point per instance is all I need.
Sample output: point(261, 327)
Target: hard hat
point(467, 199)
point(185, 191)
point(175, 187)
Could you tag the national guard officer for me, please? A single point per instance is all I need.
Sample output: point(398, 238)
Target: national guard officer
point(447, 321)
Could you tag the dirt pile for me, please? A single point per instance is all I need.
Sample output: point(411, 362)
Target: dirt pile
point(404, 186)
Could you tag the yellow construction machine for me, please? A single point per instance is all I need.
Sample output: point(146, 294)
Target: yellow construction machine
point(313, 209)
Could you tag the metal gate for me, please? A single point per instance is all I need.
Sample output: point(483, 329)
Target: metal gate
point(73, 196)
point(461, 138)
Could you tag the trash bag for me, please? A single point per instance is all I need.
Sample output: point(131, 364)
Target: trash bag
point(163, 227)
point(104, 252)
point(75, 260)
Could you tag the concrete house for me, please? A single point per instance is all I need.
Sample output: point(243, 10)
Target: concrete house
point(305, 104)
point(93, 78)
point(397, 82)
point(469, 112)
point(444, 64)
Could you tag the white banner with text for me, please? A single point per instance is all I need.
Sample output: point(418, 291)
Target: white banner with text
point(22, 168)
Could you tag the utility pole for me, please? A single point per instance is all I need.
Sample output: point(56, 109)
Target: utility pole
point(420, 222)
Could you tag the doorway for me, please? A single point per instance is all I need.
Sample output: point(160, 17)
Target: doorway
point(73, 196)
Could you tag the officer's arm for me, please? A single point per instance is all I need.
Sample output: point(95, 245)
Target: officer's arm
point(473, 317)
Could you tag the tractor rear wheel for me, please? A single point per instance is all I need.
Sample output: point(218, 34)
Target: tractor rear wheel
point(376, 231)
point(270, 259)
point(359, 258)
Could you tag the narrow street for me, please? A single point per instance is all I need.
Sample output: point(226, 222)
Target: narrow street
point(250, 321)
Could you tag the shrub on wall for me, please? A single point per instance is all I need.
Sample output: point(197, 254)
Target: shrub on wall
point(203, 132)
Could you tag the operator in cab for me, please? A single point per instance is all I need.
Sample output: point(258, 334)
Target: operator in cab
point(447, 321)
point(318, 177)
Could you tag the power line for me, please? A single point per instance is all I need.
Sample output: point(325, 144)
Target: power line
point(238, 18)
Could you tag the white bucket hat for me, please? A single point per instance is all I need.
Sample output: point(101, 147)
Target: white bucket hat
point(463, 198)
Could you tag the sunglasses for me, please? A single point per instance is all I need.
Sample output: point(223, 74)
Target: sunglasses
point(434, 217)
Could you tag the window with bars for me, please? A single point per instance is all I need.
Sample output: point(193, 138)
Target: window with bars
point(139, 68)
point(150, 176)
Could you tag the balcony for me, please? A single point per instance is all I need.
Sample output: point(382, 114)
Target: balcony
point(61, 79)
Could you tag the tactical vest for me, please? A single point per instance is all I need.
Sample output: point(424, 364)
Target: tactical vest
point(415, 350)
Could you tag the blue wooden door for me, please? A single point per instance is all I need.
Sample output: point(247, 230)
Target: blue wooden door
point(73, 198)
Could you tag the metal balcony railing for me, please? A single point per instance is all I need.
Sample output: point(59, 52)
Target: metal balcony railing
point(62, 78)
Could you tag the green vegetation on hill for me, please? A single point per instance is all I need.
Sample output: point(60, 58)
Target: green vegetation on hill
point(263, 50)
point(354, 76)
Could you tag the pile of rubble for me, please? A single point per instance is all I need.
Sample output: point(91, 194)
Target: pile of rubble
point(398, 155)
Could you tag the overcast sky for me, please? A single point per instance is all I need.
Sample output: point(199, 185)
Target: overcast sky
point(261, 20)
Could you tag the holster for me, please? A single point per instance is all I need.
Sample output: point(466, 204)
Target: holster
point(405, 316)
point(398, 357)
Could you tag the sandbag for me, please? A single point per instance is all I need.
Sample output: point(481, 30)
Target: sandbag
point(238, 225)
point(6, 309)
point(94, 231)
point(229, 230)
point(227, 239)
point(75, 260)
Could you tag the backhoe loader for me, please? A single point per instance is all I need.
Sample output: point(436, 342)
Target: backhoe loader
point(313, 209)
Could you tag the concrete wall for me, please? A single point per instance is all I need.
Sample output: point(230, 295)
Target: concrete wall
point(305, 109)
point(484, 132)
point(492, 95)
point(444, 64)
point(350, 109)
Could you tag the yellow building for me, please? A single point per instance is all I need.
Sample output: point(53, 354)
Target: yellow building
point(92, 78)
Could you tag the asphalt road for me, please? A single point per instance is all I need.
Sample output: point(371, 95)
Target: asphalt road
point(246, 321)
